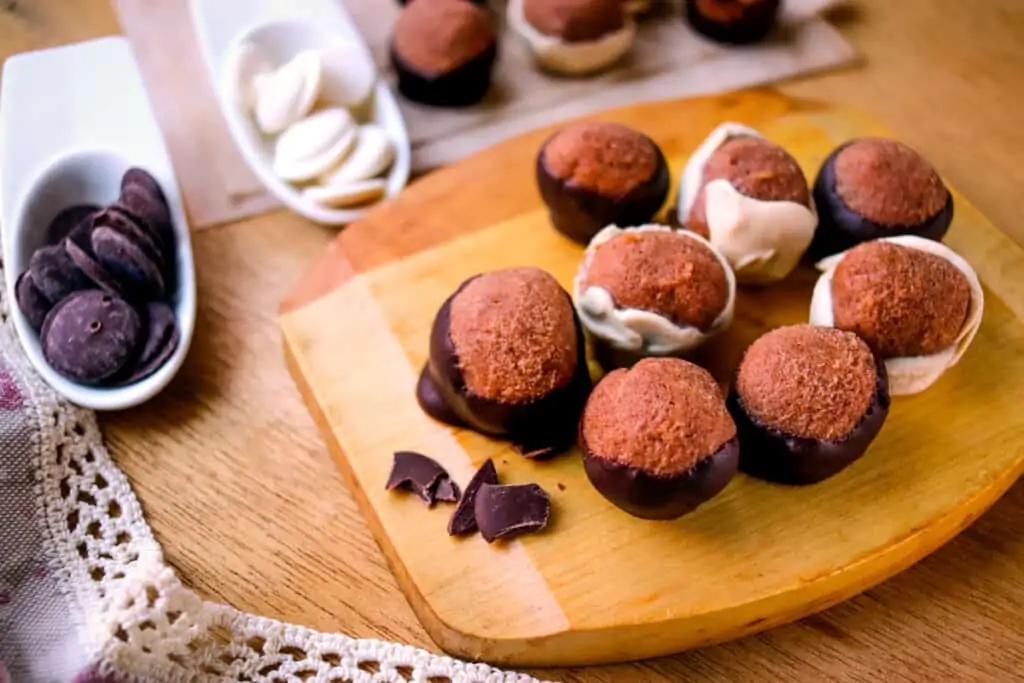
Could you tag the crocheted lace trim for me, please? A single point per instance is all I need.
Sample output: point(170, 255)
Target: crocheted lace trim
point(136, 619)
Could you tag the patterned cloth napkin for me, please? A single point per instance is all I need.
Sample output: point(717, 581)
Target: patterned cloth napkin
point(85, 595)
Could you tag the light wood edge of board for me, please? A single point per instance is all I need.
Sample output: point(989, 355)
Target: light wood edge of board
point(997, 259)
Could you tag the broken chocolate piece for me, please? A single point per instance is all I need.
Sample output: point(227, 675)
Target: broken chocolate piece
point(510, 510)
point(423, 476)
point(463, 520)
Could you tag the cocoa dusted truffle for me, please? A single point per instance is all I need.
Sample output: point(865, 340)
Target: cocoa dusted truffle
point(735, 22)
point(871, 188)
point(574, 37)
point(749, 198)
point(443, 52)
point(914, 300)
point(657, 439)
point(808, 401)
point(507, 358)
point(651, 291)
point(593, 174)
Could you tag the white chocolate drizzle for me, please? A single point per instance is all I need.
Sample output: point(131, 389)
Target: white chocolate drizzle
point(909, 374)
point(638, 330)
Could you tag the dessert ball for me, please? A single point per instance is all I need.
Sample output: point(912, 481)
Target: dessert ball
point(916, 302)
point(574, 37)
point(443, 52)
point(871, 188)
point(807, 401)
point(507, 358)
point(593, 174)
point(748, 196)
point(657, 439)
point(651, 291)
point(733, 22)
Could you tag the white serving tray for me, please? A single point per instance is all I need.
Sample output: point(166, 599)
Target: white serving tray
point(73, 119)
point(289, 26)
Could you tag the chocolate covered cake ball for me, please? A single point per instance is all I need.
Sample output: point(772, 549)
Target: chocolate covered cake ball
point(507, 358)
point(916, 302)
point(872, 188)
point(443, 52)
point(750, 199)
point(657, 439)
point(733, 21)
point(807, 402)
point(651, 291)
point(574, 37)
point(593, 174)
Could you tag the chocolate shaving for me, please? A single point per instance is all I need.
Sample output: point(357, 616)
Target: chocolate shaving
point(423, 476)
point(512, 510)
point(463, 520)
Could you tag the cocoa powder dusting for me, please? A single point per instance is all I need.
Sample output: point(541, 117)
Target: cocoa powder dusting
point(902, 301)
point(575, 21)
point(663, 415)
point(663, 272)
point(514, 335)
point(806, 381)
point(439, 36)
point(888, 183)
point(605, 158)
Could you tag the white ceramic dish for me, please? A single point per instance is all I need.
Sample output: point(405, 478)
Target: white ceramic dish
point(281, 29)
point(73, 119)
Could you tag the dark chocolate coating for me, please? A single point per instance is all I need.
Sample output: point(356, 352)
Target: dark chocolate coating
point(31, 301)
point(773, 455)
point(162, 338)
point(67, 220)
point(840, 228)
point(649, 496)
point(465, 86)
point(78, 246)
point(125, 260)
point(756, 22)
point(579, 214)
point(55, 274)
point(90, 336)
point(551, 420)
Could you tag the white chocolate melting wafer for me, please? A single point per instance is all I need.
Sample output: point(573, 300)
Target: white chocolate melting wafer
point(347, 195)
point(245, 69)
point(314, 145)
point(373, 154)
point(289, 93)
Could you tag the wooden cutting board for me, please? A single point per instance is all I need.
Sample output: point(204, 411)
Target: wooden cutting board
point(601, 586)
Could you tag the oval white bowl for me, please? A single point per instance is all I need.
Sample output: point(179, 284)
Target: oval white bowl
point(280, 38)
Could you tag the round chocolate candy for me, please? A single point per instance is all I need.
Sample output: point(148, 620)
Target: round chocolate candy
point(31, 301)
point(125, 260)
point(142, 198)
point(595, 174)
point(55, 274)
point(443, 52)
point(872, 188)
point(90, 336)
point(507, 358)
point(78, 246)
point(657, 439)
point(162, 338)
point(734, 22)
point(807, 401)
point(117, 218)
point(69, 219)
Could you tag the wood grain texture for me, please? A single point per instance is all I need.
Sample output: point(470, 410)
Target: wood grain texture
point(250, 508)
point(599, 585)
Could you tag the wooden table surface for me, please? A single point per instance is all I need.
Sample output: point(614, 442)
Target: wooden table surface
point(248, 505)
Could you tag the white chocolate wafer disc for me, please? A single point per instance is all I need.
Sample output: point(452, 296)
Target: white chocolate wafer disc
point(289, 93)
point(762, 240)
point(911, 374)
point(373, 154)
point(351, 194)
point(348, 75)
point(637, 330)
point(245, 67)
point(574, 59)
point(314, 145)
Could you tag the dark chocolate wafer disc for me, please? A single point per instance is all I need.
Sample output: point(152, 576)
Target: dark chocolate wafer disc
point(31, 301)
point(116, 218)
point(80, 252)
point(90, 335)
point(162, 338)
point(55, 274)
point(67, 220)
point(123, 258)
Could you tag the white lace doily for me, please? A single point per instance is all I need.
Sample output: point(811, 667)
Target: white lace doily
point(85, 595)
